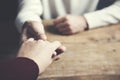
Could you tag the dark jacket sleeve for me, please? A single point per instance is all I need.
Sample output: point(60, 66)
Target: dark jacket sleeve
point(19, 69)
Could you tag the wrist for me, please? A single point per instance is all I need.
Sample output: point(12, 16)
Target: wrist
point(86, 26)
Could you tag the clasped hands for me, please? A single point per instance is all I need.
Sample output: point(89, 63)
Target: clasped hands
point(35, 45)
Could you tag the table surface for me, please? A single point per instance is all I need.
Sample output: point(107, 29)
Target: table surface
point(90, 55)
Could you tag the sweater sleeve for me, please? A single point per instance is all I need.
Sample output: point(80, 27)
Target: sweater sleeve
point(29, 10)
point(19, 69)
point(106, 16)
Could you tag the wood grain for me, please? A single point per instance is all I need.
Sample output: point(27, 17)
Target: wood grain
point(90, 55)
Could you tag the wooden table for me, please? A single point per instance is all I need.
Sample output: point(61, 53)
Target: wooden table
point(90, 55)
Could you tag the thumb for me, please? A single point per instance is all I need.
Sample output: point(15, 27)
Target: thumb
point(39, 31)
point(41, 36)
point(23, 36)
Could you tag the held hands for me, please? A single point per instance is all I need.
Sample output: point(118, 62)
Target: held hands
point(70, 24)
point(40, 51)
point(33, 29)
point(36, 47)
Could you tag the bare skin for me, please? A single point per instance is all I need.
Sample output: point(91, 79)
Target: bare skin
point(40, 51)
point(70, 24)
point(67, 25)
point(33, 29)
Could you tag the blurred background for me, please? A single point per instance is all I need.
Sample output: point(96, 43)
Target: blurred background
point(9, 37)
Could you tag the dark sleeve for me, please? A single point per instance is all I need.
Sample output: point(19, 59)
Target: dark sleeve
point(19, 69)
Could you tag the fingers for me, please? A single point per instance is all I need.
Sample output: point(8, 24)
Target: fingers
point(61, 25)
point(59, 20)
point(23, 36)
point(67, 32)
point(56, 44)
point(41, 36)
point(39, 30)
point(56, 58)
point(54, 54)
point(60, 50)
point(34, 29)
point(30, 39)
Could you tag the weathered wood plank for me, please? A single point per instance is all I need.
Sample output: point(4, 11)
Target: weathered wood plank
point(93, 55)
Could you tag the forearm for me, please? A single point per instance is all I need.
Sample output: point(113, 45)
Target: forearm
point(19, 69)
point(29, 10)
point(106, 16)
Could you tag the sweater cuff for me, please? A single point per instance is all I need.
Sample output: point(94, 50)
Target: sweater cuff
point(93, 20)
point(27, 67)
point(20, 20)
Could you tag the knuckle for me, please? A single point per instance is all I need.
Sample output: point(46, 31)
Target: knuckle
point(28, 22)
point(69, 28)
point(67, 24)
point(71, 31)
point(40, 41)
point(65, 18)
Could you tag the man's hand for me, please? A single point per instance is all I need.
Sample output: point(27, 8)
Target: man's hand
point(33, 29)
point(41, 51)
point(70, 24)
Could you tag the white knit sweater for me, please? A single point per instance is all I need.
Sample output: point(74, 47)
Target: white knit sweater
point(48, 9)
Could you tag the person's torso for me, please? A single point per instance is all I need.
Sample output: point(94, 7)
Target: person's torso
point(54, 8)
